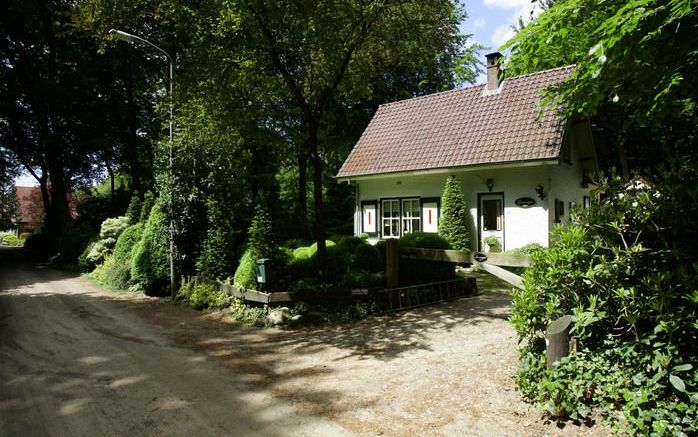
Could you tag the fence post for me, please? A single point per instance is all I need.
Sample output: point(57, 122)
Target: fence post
point(392, 263)
point(557, 340)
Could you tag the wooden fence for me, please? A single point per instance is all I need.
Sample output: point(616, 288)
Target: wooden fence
point(241, 293)
point(413, 296)
point(489, 262)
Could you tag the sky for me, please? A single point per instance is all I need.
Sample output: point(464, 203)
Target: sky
point(489, 21)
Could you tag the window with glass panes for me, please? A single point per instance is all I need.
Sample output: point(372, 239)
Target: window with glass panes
point(390, 211)
point(411, 212)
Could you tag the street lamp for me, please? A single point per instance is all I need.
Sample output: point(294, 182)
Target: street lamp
point(124, 36)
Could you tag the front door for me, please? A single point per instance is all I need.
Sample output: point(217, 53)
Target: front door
point(491, 222)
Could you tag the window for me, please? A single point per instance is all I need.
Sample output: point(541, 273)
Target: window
point(410, 216)
point(369, 219)
point(390, 210)
point(492, 215)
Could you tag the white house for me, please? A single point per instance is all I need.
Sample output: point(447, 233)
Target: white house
point(521, 164)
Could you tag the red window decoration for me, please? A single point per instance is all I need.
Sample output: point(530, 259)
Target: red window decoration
point(369, 217)
point(430, 216)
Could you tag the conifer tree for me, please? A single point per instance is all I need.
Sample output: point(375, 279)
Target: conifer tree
point(453, 224)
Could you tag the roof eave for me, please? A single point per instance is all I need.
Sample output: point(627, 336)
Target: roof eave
point(483, 166)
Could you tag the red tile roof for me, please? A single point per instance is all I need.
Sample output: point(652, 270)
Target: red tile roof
point(462, 127)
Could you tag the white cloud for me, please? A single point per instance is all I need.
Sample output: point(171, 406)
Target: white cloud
point(501, 35)
point(507, 4)
point(479, 23)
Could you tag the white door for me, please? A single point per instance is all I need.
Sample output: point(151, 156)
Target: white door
point(368, 214)
point(491, 222)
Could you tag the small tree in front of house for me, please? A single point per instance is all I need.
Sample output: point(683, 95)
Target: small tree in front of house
point(453, 224)
point(261, 244)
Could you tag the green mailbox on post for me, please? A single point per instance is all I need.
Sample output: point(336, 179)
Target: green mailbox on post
point(264, 271)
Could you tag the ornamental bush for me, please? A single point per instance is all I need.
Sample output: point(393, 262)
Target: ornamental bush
point(219, 252)
point(454, 223)
point(262, 244)
point(150, 266)
point(634, 304)
point(115, 272)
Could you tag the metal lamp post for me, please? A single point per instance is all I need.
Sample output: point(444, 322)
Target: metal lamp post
point(124, 36)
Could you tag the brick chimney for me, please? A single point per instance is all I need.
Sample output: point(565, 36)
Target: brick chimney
point(493, 71)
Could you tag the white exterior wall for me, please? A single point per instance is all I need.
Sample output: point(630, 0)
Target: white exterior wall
point(565, 180)
point(521, 225)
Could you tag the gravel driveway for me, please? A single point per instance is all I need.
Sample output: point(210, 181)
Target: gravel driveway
point(78, 360)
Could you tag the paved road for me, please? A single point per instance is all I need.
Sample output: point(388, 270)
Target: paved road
point(75, 361)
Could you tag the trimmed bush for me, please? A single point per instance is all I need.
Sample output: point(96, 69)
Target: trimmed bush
point(367, 258)
point(115, 272)
point(203, 296)
point(246, 274)
point(422, 271)
point(151, 267)
point(133, 212)
point(454, 223)
point(217, 259)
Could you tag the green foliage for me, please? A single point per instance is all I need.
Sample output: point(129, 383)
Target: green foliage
point(367, 258)
point(10, 216)
point(454, 223)
point(109, 232)
point(528, 249)
point(11, 240)
point(246, 273)
point(146, 206)
point(262, 240)
point(493, 244)
point(634, 306)
point(425, 240)
point(133, 212)
point(203, 296)
point(115, 271)
point(219, 252)
point(151, 256)
point(249, 314)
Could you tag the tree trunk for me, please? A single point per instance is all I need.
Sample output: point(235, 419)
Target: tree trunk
point(316, 159)
point(112, 189)
point(303, 189)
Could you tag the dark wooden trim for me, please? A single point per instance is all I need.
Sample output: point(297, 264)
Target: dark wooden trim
point(477, 224)
point(424, 200)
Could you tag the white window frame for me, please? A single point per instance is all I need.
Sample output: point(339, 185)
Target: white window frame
point(408, 216)
point(393, 219)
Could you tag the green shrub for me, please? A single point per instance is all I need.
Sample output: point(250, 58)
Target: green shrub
point(493, 244)
point(115, 272)
point(217, 259)
point(147, 205)
point(135, 205)
point(246, 273)
point(528, 249)
point(634, 307)
point(246, 313)
point(203, 296)
point(349, 243)
point(425, 240)
point(11, 240)
point(422, 271)
point(70, 243)
point(151, 256)
point(454, 223)
point(113, 227)
point(367, 258)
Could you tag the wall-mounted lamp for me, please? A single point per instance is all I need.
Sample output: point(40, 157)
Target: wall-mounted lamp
point(540, 192)
point(490, 184)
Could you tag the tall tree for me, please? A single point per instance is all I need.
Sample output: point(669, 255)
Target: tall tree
point(635, 71)
point(321, 52)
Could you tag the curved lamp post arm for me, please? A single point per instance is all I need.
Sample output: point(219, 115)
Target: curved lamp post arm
point(130, 38)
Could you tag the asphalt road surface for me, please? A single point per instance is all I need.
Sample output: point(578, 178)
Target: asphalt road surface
point(75, 361)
